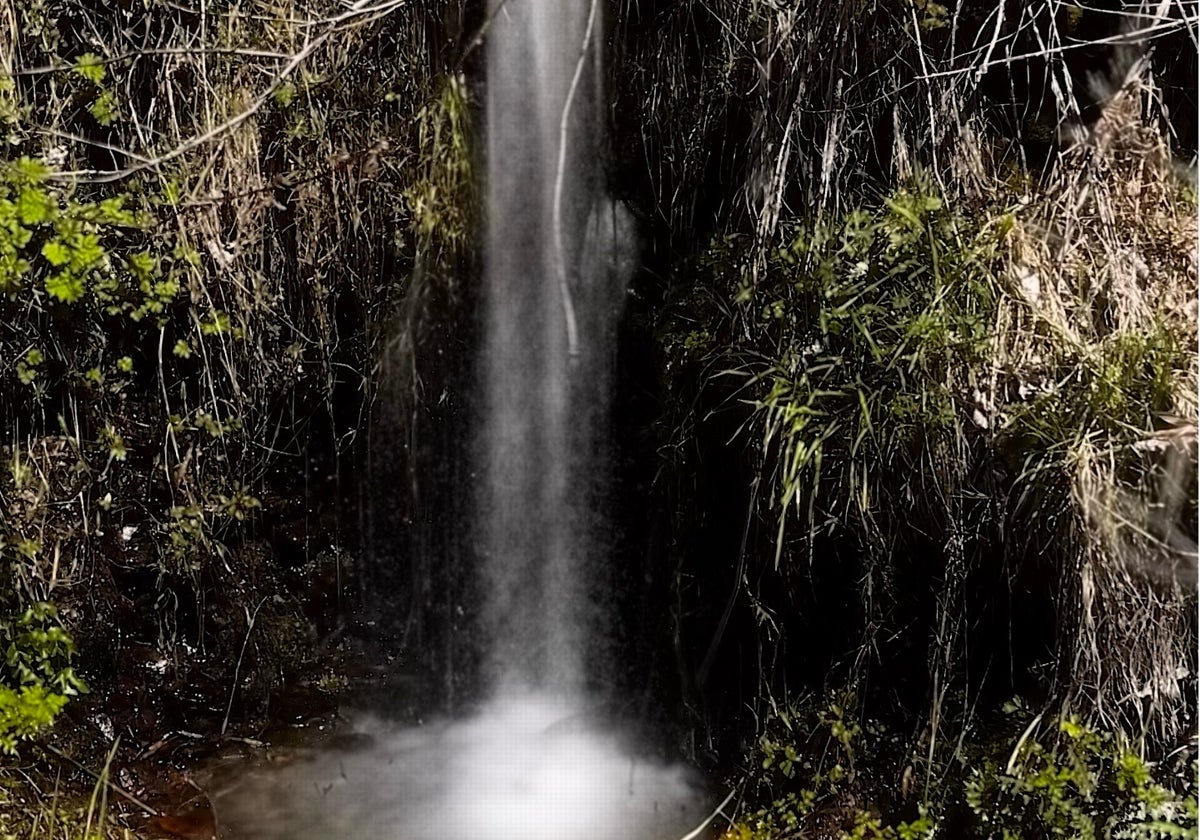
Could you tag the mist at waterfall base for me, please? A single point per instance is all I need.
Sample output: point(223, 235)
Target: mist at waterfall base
point(530, 767)
point(536, 761)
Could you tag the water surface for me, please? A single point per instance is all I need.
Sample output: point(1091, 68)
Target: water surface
point(533, 767)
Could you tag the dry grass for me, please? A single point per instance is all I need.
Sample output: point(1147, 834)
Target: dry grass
point(1084, 270)
point(1102, 266)
point(278, 156)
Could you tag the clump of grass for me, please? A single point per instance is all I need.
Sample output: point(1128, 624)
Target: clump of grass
point(1095, 362)
point(879, 319)
point(38, 804)
point(969, 389)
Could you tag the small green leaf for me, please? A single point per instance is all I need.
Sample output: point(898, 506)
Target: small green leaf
point(125, 364)
point(187, 254)
point(182, 349)
point(141, 265)
point(87, 252)
point(1072, 728)
point(216, 323)
point(164, 292)
point(65, 287)
point(116, 448)
point(284, 94)
point(171, 193)
point(56, 253)
point(112, 211)
point(26, 170)
point(34, 206)
point(104, 108)
point(91, 67)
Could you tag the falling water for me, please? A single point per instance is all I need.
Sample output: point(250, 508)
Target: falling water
point(536, 761)
point(549, 295)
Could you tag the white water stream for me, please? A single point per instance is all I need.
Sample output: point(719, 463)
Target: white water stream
point(551, 295)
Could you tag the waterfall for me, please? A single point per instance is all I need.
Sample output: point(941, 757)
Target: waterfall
point(549, 299)
point(535, 761)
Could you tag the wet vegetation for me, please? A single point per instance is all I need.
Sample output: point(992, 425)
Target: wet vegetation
point(906, 402)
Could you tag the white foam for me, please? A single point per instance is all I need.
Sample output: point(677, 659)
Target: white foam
point(527, 768)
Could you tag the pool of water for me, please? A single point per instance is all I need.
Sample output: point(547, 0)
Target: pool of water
point(531, 767)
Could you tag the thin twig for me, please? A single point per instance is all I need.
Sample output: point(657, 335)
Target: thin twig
point(560, 175)
point(479, 35)
point(336, 24)
point(250, 619)
point(145, 51)
point(694, 833)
